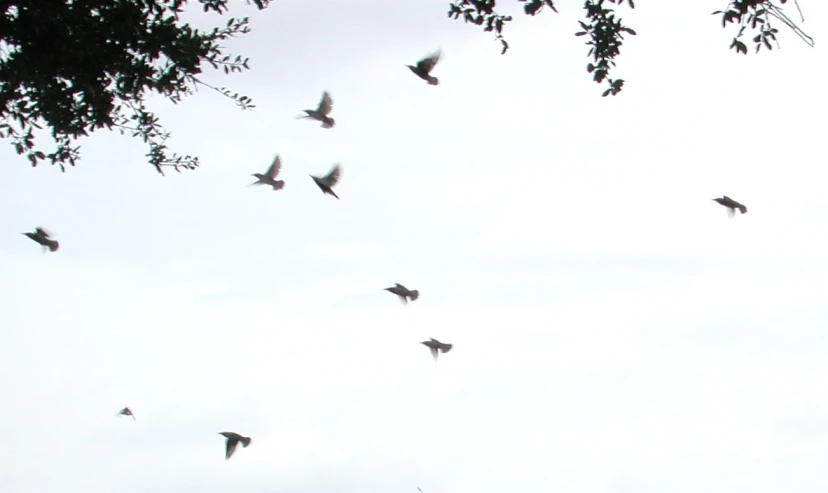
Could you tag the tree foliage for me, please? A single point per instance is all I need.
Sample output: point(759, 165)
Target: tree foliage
point(76, 66)
point(606, 32)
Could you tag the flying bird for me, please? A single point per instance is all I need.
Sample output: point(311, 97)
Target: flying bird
point(41, 236)
point(233, 439)
point(326, 183)
point(404, 293)
point(269, 178)
point(437, 347)
point(322, 111)
point(731, 205)
point(126, 412)
point(425, 66)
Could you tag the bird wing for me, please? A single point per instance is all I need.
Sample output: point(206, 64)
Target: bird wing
point(332, 178)
point(433, 352)
point(427, 64)
point(230, 448)
point(325, 104)
point(42, 233)
point(275, 167)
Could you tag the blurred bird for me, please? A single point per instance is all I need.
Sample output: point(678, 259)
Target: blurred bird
point(731, 205)
point(126, 412)
point(327, 182)
point(404, 293)
point(437, 347)
point(425, 66)
point(322, 111)
point(269, 178)
point(233, 439)
point(41, 236)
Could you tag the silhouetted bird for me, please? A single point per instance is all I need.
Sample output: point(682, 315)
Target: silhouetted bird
point(437, 347)
point(42, 237)
point(404, 293)
point(269, 178)
point(425, 66)
point(731, 205)
point(233, 439)
point(126, 412)
point(327, 182)
point(322, 111)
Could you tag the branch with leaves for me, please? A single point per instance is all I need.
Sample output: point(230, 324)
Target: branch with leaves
point(758, 15)
point(76, 67)
point(606, 32)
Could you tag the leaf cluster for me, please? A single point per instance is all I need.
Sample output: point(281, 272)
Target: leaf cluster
point(603, 28)
point(606, 32)
point(758, 15)
point(76, 66)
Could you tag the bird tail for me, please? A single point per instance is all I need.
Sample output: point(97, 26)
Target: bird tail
point(245, 441)
point(742, 209)
point(333, 193)
point(280, 184)
point(446, 348)
point(329, 124)
point(414, 294)
point(54, 246)
point(433, 81)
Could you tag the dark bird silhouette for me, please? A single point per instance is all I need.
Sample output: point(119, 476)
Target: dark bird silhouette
point(425, 66)
point(404, 293)
point(233, 439)
point(437, 347)
point(731, 205)
point(126, 412)
point(269, 178)
point(41, 236)
point(322, 112)
point(326, 183)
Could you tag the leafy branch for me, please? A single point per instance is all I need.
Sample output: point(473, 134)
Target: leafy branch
point(605, 31)
point(77, 68)
point(757, 14)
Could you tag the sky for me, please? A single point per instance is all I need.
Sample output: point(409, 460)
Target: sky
point(614, 331)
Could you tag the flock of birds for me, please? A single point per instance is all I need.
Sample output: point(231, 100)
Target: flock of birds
point(326, 183)
point(322, 113)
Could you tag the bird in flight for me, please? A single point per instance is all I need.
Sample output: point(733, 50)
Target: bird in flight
point(404, 293)
point(269, 178)
point(126, 412)
point(425, 66)
point(731, 205)
point(322, 112)
point(41, 236)
point(326, 183)
point(233, 439)
point(437, 347)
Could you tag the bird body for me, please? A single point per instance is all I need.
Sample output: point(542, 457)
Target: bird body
point(326, 183)
point(233, 439)
point(42, 237)
point(437, 347)
point(269, 177)
point(322, 112)
point(425, 66)
point(731, 205)
point(404, 293)
point(126, 412)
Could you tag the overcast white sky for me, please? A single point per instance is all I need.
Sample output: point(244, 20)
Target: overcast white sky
point(613, 330)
